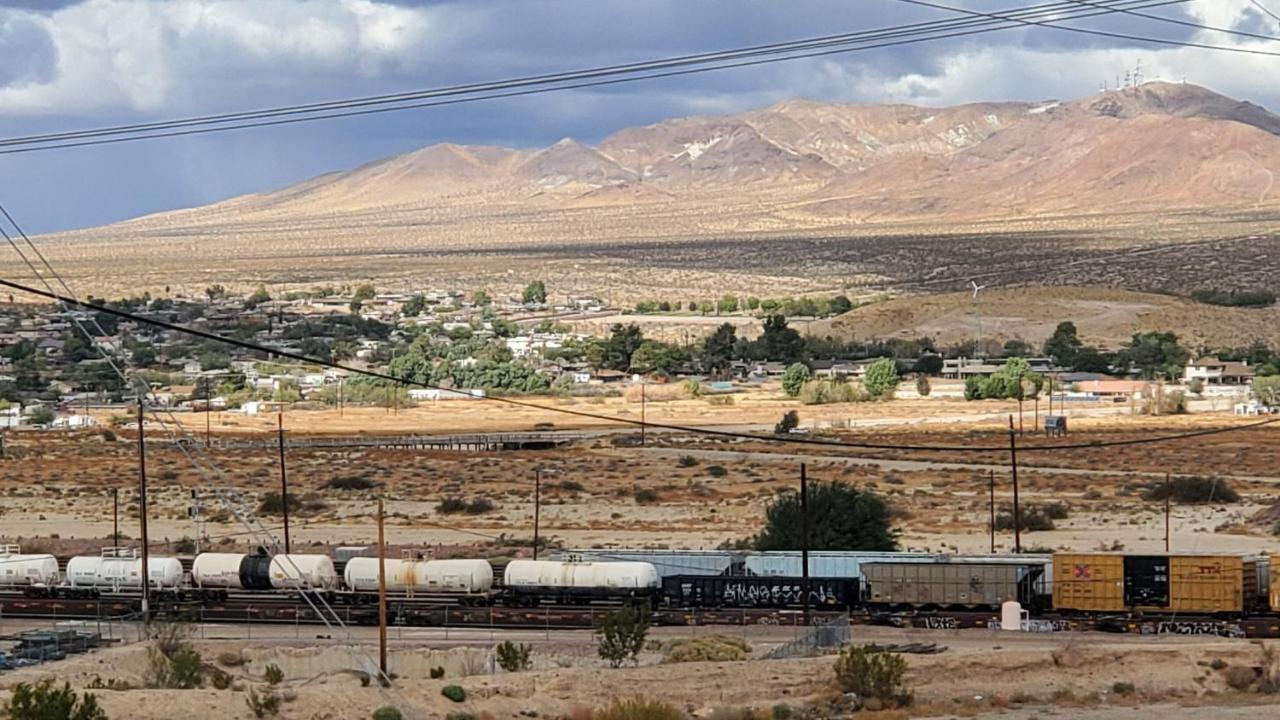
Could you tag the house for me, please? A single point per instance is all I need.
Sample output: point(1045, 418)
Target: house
point(1115, 389)
point(1212, 371)
point(961, 368)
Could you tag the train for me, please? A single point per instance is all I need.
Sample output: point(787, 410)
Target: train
point(1064, 583)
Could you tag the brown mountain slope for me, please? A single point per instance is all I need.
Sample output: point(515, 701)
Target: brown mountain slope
point(1104, 317)
point(797, 166)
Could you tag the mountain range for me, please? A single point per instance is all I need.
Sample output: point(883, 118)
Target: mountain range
point(1157, 146)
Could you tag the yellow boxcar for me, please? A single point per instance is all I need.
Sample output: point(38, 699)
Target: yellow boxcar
point(1089, 582)
point(1109, 582)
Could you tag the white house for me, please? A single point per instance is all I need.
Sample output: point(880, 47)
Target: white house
point(1212, 371)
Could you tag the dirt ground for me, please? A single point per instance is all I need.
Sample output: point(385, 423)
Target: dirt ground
point(677, 492)
point(980, 674)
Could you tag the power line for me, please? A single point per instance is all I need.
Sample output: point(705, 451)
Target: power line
point(613, 75)
point(385, 377)
point(1100, 33)
point(1186, 23)
point(1263, 8)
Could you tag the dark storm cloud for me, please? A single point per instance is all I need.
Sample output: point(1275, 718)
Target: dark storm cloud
point(97, 62)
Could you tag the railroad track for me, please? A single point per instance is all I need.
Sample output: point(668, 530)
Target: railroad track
point(410, 612)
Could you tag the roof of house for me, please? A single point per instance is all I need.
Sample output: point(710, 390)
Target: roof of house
point(1113, 387)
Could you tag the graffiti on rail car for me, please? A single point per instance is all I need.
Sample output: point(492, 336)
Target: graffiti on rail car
point(1194, 627)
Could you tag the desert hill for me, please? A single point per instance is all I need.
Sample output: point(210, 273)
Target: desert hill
point(1104, 317)
point(877, 187)
point(1155, 146)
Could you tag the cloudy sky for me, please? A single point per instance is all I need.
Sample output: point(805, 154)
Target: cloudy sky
point(74, 65)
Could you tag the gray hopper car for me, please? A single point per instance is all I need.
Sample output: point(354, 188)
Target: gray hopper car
point(951, 585)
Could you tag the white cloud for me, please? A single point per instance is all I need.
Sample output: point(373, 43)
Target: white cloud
point(129, 56)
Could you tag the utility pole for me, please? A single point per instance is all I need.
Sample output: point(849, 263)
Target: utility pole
point(991, 510)
point(804, 544)
point(382, 597)
point(642, 413)
point(142, 516)
point(537, 506)
point(341, 380)
point(208, 405)
point(1167, 490)
point(115, 517)
point(284, 480)
point(1013, 463)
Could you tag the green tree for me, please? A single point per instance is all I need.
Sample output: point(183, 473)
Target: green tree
point(839, 305)
point(615, 352)
point(1063, 344)
point(841, 517)
point(214, 360)
point(1088, 359)
point(781, 343)
point(881, 378)
point(930, 364)
point(753, 303)
point(414, 306)
point(620, 634)
point(717, 350)
point(258, 297)
point(794, 378)
point(1267, 390)
point(44, 701)
point(727, 304)
point(215, 292)
point(653, 356)
point(41, 415)
point(364, 292)
point(535, 292)
point(481, 298)
point(1155, 354)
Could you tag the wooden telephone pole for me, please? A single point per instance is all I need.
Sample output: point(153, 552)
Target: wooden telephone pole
point(142, 516)
point(804, 545)
point(284, 480)
point(1013, 463)
point(382, 596)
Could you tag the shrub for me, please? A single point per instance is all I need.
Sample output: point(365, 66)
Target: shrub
point(46, 702)
point(513, 657)
point(1193, 490)
point(271, 504)
point(1239, 677)
point(387, 712)
point(231, 659)
point(1034, 518)
point(437, 672)
point(464, 715)
point(352, 482)
point(871, 674)
point(172, 662)
point(620, 634)
point(923, 387)
point(790, 421)
point(687, 461)
point(716, 471)
point(711, 648)
point(881, 378)
point(273, 674)
point(824, 392)
point(454, 693)
point(572, 486)
point(265, 705)
point(645, 496)
point(1218, 664)
point(794, 378)
point(1123, 688)
point(455, 505)
point(782, 711)
point(220, 678)
point(639, 709)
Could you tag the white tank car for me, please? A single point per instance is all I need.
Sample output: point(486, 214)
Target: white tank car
point(446, 576)
point(232, 571)
point(123, 571)
point(29, 569)
point(313, 572)
point(581, 575)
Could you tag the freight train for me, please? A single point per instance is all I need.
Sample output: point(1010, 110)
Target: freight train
point(1093, 584)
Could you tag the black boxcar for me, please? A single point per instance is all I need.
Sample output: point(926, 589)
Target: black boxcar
point(758, 591)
